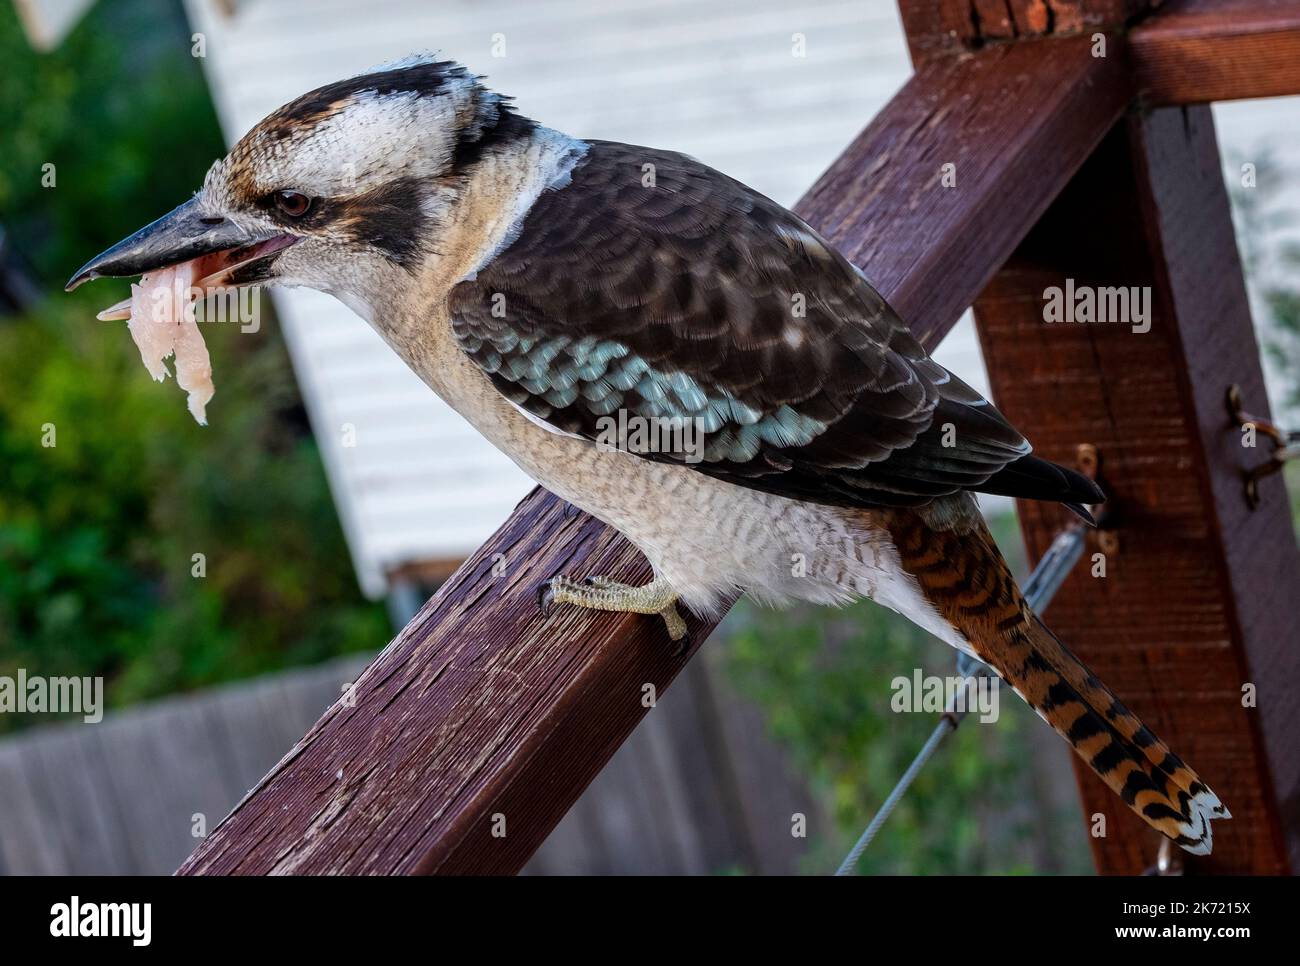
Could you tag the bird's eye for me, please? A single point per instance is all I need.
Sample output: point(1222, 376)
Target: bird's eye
point(292, 203)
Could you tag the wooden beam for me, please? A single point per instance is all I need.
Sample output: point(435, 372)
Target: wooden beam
point(485, 716)
point(1196, 51)
point(1198, 599)
point(884, 201)
point(942, 28)
point(1183, 51)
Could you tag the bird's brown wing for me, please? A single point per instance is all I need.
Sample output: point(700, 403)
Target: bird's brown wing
point(653, 285)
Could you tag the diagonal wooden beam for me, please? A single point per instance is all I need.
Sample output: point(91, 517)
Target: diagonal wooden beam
point(476, 729)
point(1013, 122)
point(1196, 51)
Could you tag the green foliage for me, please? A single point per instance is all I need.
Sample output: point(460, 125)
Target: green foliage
point(1271, 262)
point(98, 533)
point(121, 111)
point(823, 679)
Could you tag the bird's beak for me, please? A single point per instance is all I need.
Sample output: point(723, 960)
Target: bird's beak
point(186, 233)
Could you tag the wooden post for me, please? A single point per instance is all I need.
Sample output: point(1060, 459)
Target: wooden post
point(942, 28)
point(1198, 597)
point(1194, 605)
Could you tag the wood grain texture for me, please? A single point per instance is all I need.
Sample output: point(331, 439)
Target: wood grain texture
point(482, 706)
point(1196, 51)
point(475, 710)
point(927, 247)
point(1198, 601)
point(121, 798)
point(940, 28)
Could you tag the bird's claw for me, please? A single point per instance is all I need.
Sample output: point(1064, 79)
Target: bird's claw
point(681, 645)
point(605, 594)
point(545, 596)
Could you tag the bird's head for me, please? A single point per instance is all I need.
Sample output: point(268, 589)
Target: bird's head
point(341, 190)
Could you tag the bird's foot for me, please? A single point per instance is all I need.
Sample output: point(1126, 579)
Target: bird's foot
point(601, 593)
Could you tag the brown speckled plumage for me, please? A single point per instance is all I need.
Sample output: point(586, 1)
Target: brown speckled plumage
point(819, 390)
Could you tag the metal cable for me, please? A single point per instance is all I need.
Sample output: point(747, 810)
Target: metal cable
point(1039, 590)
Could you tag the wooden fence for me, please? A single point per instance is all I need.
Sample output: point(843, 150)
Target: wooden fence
point(697, 789)
point(1080, 150)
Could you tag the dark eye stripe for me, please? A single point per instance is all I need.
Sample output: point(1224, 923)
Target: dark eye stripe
point(389, 218)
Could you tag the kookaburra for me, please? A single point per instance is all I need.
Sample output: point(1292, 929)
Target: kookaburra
point(543, 285)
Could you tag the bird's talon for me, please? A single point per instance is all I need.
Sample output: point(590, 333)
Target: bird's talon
point(603, 593)
point(545, 597)
point(682, 645)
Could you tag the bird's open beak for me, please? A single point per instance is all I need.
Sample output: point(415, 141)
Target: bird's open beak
point(217, 245)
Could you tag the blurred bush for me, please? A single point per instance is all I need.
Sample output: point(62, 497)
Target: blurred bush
point(823, 678)
point(1265, 222)
point(98, 533)
point(121, 111)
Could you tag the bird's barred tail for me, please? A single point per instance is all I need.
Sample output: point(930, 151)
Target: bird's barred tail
point(962, 573)
point(1138, 766)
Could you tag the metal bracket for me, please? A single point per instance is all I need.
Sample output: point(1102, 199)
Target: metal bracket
point(1286, 445)
point(1087, 460)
